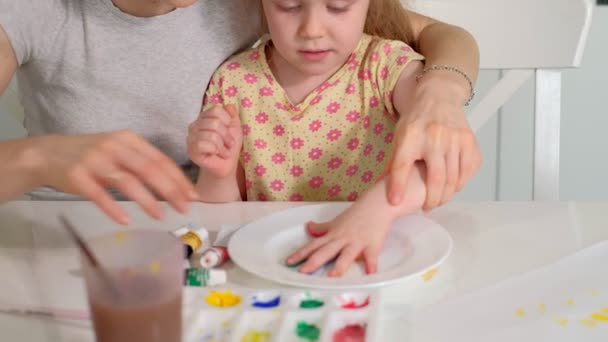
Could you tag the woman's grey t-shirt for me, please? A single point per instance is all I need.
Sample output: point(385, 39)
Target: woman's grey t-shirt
point(87, 67)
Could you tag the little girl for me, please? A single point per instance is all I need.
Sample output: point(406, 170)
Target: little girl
point(308, 115)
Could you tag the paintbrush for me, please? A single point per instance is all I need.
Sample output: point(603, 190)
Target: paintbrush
point(84, 248)
point(45, 312)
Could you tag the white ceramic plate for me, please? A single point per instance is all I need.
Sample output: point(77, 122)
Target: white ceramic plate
point(414, 245)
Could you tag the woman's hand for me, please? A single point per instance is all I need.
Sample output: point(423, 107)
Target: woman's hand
point(88, 164)
point(434, 128)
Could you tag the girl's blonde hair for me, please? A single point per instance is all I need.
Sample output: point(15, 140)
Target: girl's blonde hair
point(386, 19)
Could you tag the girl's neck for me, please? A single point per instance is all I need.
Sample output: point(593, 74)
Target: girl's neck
point(297, 85)
point(143, 8)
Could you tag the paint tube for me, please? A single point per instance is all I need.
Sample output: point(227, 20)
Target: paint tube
point(193, 239)
point(214, 256)
point(204, 277)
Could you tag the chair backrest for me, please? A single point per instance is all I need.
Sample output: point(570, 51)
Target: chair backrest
point(525, 38)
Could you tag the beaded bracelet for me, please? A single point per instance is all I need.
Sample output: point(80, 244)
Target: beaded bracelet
point(450, 68)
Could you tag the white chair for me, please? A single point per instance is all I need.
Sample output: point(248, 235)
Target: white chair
point(525, 38)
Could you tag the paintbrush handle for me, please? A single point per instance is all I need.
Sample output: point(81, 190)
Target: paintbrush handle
point(46, 312)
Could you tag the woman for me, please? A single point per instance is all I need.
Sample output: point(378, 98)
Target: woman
point(107, 85)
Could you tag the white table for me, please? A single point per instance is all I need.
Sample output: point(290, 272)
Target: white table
point(493, 241)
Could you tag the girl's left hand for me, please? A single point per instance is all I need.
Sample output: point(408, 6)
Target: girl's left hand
point(435, 129)
point(355, 232)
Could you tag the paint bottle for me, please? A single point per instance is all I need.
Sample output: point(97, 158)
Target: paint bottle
point(214, 256)
point(193, 239)
point(204, 277)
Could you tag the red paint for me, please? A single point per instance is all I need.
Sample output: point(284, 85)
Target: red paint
point(313, 233)
point(354, 305)
point(350, 333)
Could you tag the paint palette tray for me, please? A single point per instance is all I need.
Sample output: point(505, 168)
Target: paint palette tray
point(234, 314)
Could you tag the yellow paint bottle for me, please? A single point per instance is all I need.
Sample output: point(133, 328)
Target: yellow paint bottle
point(193, 239)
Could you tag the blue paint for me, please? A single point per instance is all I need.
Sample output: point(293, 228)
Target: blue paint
point(269, 304)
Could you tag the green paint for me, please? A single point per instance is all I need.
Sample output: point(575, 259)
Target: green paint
point(311, 304)
point(296, 265)
point(309, 332)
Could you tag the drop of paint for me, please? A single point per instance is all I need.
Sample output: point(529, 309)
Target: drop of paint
point(311, 304)
point(308, 332)
point(350, 333)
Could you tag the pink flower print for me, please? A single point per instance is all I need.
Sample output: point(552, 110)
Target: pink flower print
point(294, 108)
point(374, 56)
point(316, 182)
point(378, 128)
point(278, 130)
point(260, 143)
point(261, 117)
point(352, 116)
point(315, 153)
point(367, 176)
point(384, 73)
point(365, 74)
point(296, 171)
point(220, 82)
point(248, 184)
point(352, 196)
point(373, 101)
point(334, 190)
point(246, 102)
point(216, 99)
point(353, 144)
point(333, 107)
point(246, 157)
point(368, 149)
point(261, 196)
point(259, 170)
point(269, 78)
point(296, 143)
point(230, 91)
point(334, 134)
point(353, 65)
point(375, 85)
point(336, 82)
point(279, 105)
point(406, 48)
point(380, 156)
point(322, 87)
point(246, 129)
point(205, 101)
point(402, 60)
point(233, 65)
point(266, 91)
point(254, 55)
point(366, 122)
point(334, 163)
point(315, 125)
point(297, 117)
point(387, 49)
point(296, 198)
point(389, 138)
point(316, 100)
point(350, 89)
point(250, 78)
point(277, 185)
point(352, 170)
point(278, 158)
point(351, 58)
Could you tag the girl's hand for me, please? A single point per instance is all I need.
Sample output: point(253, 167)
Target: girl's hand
point(214, 141)
point(435, 129)
point(88, 164)
point(356, 232)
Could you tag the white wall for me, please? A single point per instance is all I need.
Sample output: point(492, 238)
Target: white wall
point(507, 140)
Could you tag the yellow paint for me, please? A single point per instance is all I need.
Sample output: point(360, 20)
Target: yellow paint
point(520, 312)
point(570, 302)
point(599, 317)
point(253, 335)
point(154, 267)
point(561, 321)
point(222, 299)
point(121, 236)
point(542, 308)
point(428, 275)
point(587, 322)
point(605, 309)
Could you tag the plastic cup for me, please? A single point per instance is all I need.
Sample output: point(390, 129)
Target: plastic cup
point(139, 295)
